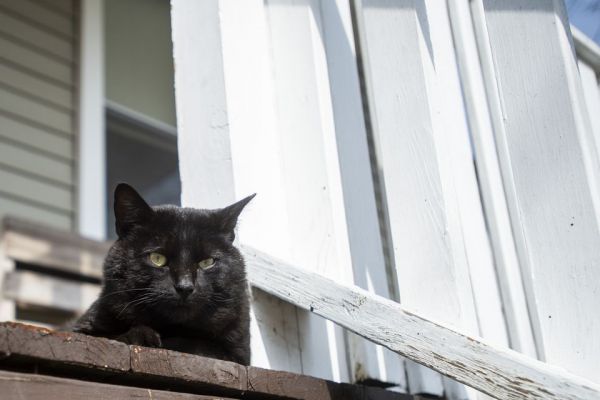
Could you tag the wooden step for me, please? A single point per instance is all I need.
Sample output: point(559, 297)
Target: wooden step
point(84, 365)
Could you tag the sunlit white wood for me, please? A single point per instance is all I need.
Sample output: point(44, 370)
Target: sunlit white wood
point(310, 167)
point(587, 49)
point(490, 181)
point(91, 187)
point(369, 272)
point(203, 136)
point(256, 162)
point(205, 144)
point(499, 372)
point(438, 231)
point(549, 168)
point(7, 265)
point(591, 92)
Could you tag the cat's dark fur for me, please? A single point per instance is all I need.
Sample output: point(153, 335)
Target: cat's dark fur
point(140, 304)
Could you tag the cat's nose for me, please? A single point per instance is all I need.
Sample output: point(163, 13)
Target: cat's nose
point(184, 289)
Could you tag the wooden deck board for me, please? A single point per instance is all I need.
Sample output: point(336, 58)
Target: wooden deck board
point(73, 355)
point(33, 387)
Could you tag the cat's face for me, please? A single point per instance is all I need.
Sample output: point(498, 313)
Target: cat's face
point(179, 258)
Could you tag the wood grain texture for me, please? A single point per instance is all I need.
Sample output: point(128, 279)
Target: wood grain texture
point(501, 373)
point(424, 154)
point(39, 387)
point(66, 347)
point(367, 361)
point(550, 170)
point(77, 355)
point(160, 362)
point(490, 181)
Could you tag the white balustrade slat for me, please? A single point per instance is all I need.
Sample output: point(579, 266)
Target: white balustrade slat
point(550, 172)
point(490, 182)
point(206, 143)
point(367, 361)
point(442, 254)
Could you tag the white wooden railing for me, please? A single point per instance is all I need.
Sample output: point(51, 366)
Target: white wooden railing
point(501, 373)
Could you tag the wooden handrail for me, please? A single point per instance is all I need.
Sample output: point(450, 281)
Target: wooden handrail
point(501, 373)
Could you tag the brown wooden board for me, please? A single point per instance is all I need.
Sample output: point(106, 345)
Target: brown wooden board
point(73, 355)
point(66, 347)
point(41, 387)
point(161, 363)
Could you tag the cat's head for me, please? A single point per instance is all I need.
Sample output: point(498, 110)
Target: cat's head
point(173, 256)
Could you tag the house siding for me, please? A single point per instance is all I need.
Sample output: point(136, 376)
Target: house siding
point(38, 66)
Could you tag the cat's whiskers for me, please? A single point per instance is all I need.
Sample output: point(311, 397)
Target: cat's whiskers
point(122, 291)
point(139, 300)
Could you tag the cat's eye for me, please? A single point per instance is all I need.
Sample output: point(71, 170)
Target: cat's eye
point(207, 263)
point(158, 259)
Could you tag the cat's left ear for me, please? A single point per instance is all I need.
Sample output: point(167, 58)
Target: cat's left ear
point(130, 209)
point(229, 216)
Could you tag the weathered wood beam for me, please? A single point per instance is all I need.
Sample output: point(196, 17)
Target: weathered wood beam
point(502, 373)
point(85, 357)
point(28, 386)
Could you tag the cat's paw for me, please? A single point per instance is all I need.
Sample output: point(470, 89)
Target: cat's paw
point(141, 335)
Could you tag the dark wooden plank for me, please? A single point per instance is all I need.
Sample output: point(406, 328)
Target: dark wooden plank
point(202, 370)
point(40, 387)
point(67, 347)
point(76, 355)
point(290, 385)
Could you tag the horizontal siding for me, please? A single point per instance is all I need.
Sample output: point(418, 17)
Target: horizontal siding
point(64, 7)
point(16, 208)
point(30, 60)
point(31, 109)
point(37, 162)
point(31, 35)
point(11, 76)
point(28, 10)
point(35, 191)
point(35, 138)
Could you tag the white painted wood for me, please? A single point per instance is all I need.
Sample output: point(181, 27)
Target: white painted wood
point(439, 235)
point(490, 181)
point(201, 108)
point(7, 265)
point(367, 361)
point(302, 115)
point(591, 92)
point(499, 372)
point(42, 290)
point(587, 50)
point(549, 168)
point(213, 126)
point(91, 195)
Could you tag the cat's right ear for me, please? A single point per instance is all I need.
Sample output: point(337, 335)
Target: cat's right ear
point(130, 209)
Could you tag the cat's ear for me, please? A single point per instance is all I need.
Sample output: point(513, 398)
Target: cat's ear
point(130, 209)
point(229, 215)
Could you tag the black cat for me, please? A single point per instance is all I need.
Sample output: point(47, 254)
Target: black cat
point(174, 280)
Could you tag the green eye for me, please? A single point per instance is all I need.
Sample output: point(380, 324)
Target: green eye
point(206, 264)
point(158, 259)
